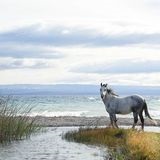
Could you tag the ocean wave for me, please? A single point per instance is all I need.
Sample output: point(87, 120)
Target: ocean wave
point(155, 114)
point(59, 113)
point(96, 99)
point(91, 98)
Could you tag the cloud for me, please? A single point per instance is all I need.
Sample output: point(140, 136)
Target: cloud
point(120, 67)
point(63, 36)
point(153, 3)
point(23, 64)
point(22, 51)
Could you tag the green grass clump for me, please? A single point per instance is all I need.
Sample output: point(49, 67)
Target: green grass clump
point(15, 124)
point(124, 144)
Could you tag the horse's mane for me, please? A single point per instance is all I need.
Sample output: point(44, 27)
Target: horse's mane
point(110, 91)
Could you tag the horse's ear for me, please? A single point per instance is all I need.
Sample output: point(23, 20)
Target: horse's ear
point(106, 85)
point(101, 84)
point(109, 91)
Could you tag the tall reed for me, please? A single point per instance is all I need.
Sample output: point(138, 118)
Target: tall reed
point(15, 124)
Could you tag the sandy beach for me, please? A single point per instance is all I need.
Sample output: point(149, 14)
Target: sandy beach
point(67, 121)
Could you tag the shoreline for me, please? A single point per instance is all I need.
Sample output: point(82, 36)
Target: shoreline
point(68, 121)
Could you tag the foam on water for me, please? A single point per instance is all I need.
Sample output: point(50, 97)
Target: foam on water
point(91, 98)
point(155, 113)
point(58, 114)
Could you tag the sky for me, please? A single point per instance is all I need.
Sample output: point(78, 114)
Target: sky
point(80, 42)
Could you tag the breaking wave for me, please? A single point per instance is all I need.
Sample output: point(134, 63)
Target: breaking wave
point(58, 113)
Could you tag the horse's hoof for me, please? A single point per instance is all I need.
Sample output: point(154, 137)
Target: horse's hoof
point(133, 128)
point(141, 130)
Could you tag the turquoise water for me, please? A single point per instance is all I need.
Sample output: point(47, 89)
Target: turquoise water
point(75, 105)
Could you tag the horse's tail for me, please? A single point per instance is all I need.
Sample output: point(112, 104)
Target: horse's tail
point(145, 108)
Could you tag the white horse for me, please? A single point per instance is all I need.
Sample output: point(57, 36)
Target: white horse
point(118, 105)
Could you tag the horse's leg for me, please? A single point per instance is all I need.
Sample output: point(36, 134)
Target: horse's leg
point(115, 120)
point(111, 119)
point(110, 125)
point(135, 115)
point(142, 120)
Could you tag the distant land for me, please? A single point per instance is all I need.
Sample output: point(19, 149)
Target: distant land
point(72, 89)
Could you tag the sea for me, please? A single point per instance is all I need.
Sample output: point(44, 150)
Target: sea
point(73, 105)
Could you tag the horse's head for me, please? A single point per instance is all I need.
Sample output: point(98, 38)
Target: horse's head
point(103, 90)
point(106, 91)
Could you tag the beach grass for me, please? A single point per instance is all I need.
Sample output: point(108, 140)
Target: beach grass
point(15, 124)
point(123, 144)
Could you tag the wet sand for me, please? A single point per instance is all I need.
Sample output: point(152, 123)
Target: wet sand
point(67, 121)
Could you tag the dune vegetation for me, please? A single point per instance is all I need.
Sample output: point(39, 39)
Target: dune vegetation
point(123, 144)
point(15, 124)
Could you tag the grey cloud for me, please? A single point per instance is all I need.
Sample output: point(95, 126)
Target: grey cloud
point(62, 36)
point(21, 64)
point(22, 51)
point(121, 67)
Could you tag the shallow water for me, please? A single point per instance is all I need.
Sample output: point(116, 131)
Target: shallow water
point(146, 128)
point(49, 145)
